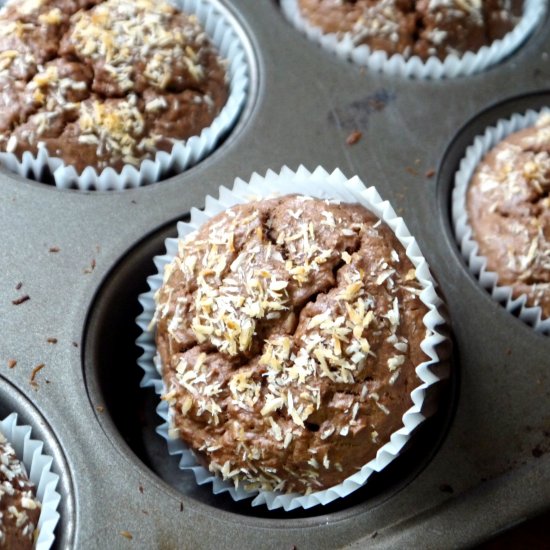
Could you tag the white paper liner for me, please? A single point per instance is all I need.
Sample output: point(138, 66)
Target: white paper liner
point(184, 154)
point(476, 263)
point(452, 66)
point(322, 185)
point(38, 466)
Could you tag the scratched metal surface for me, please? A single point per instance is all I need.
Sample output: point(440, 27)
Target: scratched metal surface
point(480, 465)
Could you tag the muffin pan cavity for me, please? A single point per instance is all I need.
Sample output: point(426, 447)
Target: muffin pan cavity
point(451, 164)
point(110, 356)
point(12, 401)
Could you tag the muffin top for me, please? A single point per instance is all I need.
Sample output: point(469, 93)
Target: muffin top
point(425, 28)
point(508, 205)
point(289, 331)
point(19, 509)
point(104, 83)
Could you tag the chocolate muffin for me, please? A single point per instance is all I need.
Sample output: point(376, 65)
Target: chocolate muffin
point(508, 206)
point(288, 331)
point(104, 84)
point(19, 508)
point(424, 28)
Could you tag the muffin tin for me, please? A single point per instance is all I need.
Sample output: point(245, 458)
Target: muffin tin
point(481, 464)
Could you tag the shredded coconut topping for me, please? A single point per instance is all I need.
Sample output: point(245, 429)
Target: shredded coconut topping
point(286, 325)
point(508, 203)
point(424, 28)
point(19, 509)
point(123, 35)
point(106, 86)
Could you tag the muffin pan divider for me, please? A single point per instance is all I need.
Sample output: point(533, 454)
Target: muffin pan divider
point(480, 465)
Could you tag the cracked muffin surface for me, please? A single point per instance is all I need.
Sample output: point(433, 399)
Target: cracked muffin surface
point(104, 83)
point(288, 332)
point(424, 28)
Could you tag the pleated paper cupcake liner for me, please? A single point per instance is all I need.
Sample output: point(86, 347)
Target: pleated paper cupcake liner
point(477, 264)
point(39, 469)
point(184, 154)
point(451, 66)
point(323, 185)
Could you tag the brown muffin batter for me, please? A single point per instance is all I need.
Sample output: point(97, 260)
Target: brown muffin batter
point(508, 206)
point(19, 509)
point(289, 333)
point(423, 27)
point(104, 85)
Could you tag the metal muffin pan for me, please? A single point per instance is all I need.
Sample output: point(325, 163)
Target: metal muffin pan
point(477, 467)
